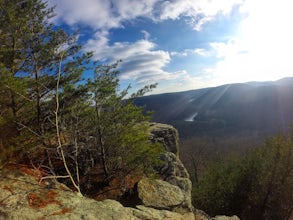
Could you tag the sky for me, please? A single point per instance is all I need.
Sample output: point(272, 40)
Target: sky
point(184, 44)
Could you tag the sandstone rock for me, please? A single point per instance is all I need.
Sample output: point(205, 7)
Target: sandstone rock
point(201, 215)
point(223, 217)
point(154, 214)
point(174, 172)
point(186, 186)
point(172, 166)
point(159, 194)
point(23, 197)
point(165, 134)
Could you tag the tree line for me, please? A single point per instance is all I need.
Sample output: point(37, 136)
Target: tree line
point(257, 186)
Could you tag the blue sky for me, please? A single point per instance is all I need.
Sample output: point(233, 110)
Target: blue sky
point(185, 44)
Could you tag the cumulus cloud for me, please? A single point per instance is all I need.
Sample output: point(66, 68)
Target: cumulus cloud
point(93, 13)
point(107, 14)
point(196, 12)
point(101, 14)
point(174, 9)
point(142, 62)
point(130, 9)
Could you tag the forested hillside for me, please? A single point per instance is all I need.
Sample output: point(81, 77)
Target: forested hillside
point(261, 108)
point(236, 143)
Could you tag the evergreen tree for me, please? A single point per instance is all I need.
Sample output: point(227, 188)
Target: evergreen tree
point(120, 128)
point(29, 61)
point(15, 19)
point(48, 112)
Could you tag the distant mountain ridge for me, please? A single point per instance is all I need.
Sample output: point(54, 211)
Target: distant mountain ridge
point(262, 107)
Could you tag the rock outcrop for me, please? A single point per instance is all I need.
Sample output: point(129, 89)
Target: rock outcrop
point(165, 134)
point(22, 196)
point(174, 172)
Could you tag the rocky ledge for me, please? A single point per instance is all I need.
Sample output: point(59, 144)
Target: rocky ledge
point(24, 196)
point(165, 134)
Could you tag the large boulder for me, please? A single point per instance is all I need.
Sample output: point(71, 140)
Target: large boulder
point(159, 194)
point(166, 135)
point(174, 172)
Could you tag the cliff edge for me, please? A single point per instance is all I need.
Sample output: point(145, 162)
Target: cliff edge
point(26, 193)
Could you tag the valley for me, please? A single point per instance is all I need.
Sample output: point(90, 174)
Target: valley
point(224, 120)
point(258, 109)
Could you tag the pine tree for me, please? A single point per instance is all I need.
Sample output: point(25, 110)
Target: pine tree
point(48, 112)
point(29, 64)
point(14, 27)
point(120, 128)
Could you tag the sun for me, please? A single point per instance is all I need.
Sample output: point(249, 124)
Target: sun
point(262, 50)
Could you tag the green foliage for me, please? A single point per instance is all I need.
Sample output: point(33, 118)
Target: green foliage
point(29, 60)
point(120, 128)
point(34, 58)
point(258, 186)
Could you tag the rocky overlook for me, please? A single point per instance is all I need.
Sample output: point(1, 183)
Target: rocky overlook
point(24, 195)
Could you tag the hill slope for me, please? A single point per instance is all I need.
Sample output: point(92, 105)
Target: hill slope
point(259, 108)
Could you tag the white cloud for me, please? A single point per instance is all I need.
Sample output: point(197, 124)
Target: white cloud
point(179, 54)
point(141, 61)
point(107, 14)
point(197, 12)
point(94, 13)
point(146, 34)
point(199, 51)
point(202, 52)
point(175, 9)
point(232, 48)
point(182, 83)
point(130, 9)
point(101, 14)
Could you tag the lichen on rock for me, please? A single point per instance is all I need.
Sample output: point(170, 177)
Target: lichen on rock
point(159, 194)
point(23, 197)
point(165, 134)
